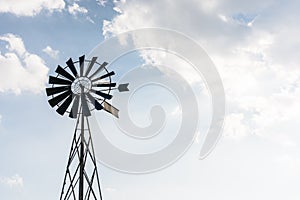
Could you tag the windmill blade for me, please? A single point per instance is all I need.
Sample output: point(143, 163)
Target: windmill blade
point(64, 73)
point(97, 105)
point(85, 107)
point(55, 90)
point(104, 76)
point(58, 81)
point(56, 100)
point(123, 87)
point(65, 105)
point(81, 62)
point(90, 66)
point(98, 70)
point(104, 95)
point(70, 64)
point(111, 109)
point(74, 109)
point(105, 85)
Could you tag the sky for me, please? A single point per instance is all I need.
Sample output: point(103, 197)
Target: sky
point(255, 47)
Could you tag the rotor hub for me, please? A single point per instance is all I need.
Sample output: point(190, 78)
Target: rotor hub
point(81, 85)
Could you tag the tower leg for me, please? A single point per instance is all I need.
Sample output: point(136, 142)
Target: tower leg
point(81, 180)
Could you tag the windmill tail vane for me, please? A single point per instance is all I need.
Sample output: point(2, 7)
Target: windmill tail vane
point(78, 89)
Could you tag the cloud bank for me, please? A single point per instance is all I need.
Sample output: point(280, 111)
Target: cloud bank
point(20, 70)
point(253, 44)
point(30, 8)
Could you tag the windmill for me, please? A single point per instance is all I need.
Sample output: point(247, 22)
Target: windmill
point(78, 89)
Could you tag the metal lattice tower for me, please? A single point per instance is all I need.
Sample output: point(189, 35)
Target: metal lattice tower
point(81, 178)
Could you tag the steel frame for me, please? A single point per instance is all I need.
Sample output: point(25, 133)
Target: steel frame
point(81, 181)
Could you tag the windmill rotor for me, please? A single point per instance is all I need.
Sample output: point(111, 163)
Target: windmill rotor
point(82, 86)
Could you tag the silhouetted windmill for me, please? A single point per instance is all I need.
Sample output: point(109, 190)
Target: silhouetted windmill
point(79, 88)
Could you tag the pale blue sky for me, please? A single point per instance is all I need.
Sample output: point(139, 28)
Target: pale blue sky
point(255, 46)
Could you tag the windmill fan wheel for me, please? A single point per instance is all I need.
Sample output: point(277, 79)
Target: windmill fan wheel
point(81, 87)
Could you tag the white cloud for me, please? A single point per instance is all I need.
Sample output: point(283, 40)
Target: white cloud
point(223, 18)
point(118, 10)
point(51, 52)
point(30, 8)
point(102, 2)
point(126, 21)
point(90, 20)
point(116, 2)
point(76, 9)
point(257, 60)
point(19, 69)
point(15, 181)
point(15, 43)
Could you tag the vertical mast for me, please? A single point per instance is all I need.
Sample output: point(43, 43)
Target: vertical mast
point(81, 159)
